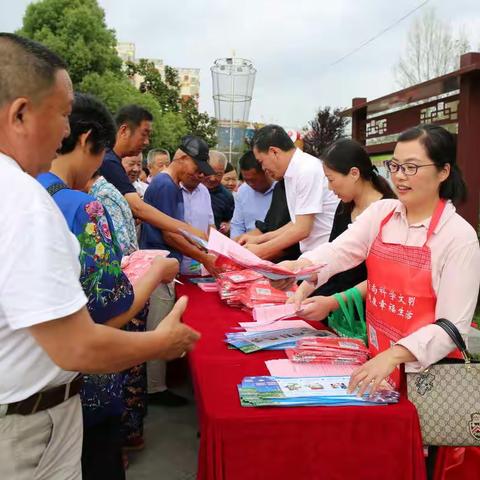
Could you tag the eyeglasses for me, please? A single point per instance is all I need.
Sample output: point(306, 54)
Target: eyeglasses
point(408, 169)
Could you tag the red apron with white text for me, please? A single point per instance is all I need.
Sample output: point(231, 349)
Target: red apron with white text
point(400, 296)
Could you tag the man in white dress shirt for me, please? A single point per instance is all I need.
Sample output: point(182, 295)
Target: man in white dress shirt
point(310, 203)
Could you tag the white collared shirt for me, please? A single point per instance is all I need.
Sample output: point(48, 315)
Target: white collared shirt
point(198, 213)
point(307, 192)
point(39, 282)
point(140, 187)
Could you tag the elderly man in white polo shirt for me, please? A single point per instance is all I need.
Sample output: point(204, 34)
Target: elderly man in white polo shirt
point(310, 203)
point(46, 333)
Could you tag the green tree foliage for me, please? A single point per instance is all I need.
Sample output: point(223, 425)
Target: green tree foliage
point(172, 127)
point(200, 124)
point(166, 93)
point(76, 30)
point(117, 91)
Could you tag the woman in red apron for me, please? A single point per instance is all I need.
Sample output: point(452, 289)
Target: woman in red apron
point(423, 260)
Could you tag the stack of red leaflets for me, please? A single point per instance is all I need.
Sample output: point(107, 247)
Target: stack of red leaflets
point(226, 265)
point(232, 283)
point(230, 292)
point(246, 288)
point(241, 276)
point(134, 266)
point(329, 350)
point(260, 292)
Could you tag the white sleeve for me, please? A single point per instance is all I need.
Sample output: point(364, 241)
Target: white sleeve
point(309, 189)
point(39, 278)
point(208, 202)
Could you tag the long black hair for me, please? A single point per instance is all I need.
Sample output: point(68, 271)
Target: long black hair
point(89, 114)
point(344, 154)
point(441, 148)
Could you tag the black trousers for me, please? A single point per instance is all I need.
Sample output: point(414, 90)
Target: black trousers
point(102, 451)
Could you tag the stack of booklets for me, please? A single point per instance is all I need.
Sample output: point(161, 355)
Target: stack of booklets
point(233, 283)
point(249, 342)
point(247, 289)
point(333, 350)
point(312, 391)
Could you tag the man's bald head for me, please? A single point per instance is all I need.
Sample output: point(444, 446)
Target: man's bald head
point(27, 68)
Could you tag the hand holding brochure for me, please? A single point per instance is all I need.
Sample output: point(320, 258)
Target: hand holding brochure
point(194, 240)
point(134, 266)
point(222, 245)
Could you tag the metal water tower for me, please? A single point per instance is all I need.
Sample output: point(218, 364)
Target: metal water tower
point(233, 79)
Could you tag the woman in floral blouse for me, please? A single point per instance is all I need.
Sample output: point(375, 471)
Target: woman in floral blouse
point(112, 299)
point(119, 210)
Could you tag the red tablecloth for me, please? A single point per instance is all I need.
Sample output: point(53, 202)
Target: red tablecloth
point(327, 443)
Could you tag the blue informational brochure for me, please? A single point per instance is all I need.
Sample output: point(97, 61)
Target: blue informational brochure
point(307, 391)
point(249, 342)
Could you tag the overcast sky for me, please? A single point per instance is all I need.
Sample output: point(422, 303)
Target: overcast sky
point(292, 44)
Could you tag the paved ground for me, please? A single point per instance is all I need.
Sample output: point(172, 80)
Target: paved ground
point(171, 444)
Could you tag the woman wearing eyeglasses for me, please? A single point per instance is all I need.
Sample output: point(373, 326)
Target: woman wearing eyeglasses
point(356, 181)
point(423, 259)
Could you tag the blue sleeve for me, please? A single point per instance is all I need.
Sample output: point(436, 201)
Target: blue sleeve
point(164, 196)
point(116, 175)
point(237, 226)
point(108, 290)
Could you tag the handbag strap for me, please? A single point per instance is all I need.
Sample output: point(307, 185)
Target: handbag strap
point(454, 334)
point(56, 187)
point(347, 308)
point(358, 300)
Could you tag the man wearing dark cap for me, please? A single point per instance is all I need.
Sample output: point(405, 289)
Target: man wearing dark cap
point(134, 127)
point(165, 194)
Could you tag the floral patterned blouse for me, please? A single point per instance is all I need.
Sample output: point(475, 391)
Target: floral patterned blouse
point(108, 290)
point(119, 211)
